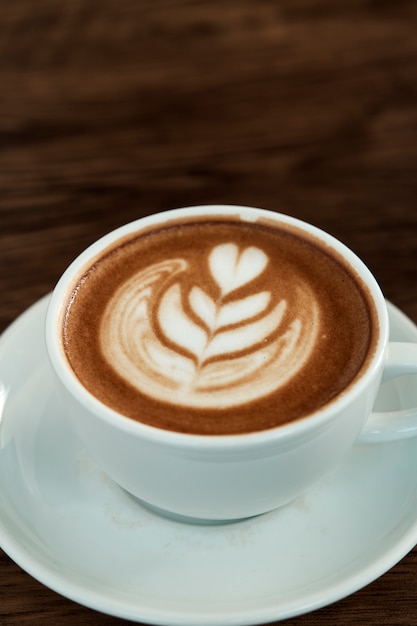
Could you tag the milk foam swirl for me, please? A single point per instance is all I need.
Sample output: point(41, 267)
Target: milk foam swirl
point(179, 343)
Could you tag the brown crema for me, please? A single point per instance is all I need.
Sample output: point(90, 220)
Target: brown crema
point(218, 327)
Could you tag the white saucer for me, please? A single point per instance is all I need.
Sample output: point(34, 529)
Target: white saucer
point(70, 527)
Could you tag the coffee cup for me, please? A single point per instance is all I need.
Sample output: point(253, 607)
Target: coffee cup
point(217, 361)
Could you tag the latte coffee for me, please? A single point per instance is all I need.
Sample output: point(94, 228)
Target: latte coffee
point(215, 326)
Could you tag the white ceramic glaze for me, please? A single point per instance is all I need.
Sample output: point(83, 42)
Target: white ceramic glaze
point(69, 526)
point(222, 477)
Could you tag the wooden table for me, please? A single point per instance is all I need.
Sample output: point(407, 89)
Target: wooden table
point(115, 109)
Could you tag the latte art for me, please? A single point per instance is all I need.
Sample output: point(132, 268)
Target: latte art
point(216, 327)
point(179, 343)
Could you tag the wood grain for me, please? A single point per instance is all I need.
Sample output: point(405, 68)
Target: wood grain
point(115, 109)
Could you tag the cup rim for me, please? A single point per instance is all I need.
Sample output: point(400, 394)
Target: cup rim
point(297, 428)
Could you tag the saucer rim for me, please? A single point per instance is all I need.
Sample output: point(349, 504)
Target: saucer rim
point(73, 589)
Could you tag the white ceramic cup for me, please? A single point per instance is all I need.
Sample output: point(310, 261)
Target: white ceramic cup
point(228, 477)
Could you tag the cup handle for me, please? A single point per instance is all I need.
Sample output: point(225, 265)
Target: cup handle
point(388, 426)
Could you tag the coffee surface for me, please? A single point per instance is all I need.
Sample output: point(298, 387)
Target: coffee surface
point(217, 327)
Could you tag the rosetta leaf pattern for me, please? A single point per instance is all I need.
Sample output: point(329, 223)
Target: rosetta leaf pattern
point(220, 329)
point(177, 343)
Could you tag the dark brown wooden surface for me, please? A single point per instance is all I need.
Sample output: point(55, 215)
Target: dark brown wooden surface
point(114, 109)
